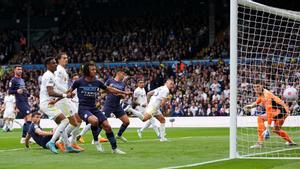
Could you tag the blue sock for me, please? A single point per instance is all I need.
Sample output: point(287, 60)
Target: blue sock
point(112, 140)
point(95, 132)
point(122, 129)
point(25, 129)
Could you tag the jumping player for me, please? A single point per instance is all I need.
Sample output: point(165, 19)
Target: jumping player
point(140, 102)
point(276, 111)
point(159, 98)
point(88, 88)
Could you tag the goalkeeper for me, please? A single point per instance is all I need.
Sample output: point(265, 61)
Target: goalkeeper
point(276, 112)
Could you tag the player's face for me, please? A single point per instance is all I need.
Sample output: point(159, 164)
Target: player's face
point(36, 118)
point(63, 60)
point(52, 65)
point(170, 84)
point(75, 78)
point(18, 71)
point(93, 71)
point(121, 75)
point(141, 84)
point(258, 89)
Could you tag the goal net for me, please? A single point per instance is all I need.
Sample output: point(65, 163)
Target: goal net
point(268, 49)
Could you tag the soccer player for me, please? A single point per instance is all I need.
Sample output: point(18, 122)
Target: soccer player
point(36, 132)
point(112, 103)
point(17, 87)
point(66, 105)
point(140, 102)
point(47, 96)
point(276, 112)
point(159, 97)
point(88, 88)
point(9, 115)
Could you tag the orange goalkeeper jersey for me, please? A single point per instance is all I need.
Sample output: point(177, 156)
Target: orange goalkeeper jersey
point(274, 105)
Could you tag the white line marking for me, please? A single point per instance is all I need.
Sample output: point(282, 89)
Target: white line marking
point(17, 149)
point(196, 164)
point(269, 152)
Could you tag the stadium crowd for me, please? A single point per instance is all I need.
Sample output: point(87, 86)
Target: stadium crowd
point(166, 35)
point(201, 90)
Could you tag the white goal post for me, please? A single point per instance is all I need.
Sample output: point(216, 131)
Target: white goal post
point(264, 45)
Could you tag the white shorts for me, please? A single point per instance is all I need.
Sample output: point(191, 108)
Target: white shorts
point(9, 114)
point(153, 111)
point(68, 107)
point(50, 110)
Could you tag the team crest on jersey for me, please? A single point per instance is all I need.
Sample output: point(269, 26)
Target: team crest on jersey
point(85, 116)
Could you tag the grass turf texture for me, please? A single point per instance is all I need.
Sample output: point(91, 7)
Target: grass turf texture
point(186, 146)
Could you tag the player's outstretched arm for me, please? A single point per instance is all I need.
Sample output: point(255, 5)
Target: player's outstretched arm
point(249, 106)
point(117, 91)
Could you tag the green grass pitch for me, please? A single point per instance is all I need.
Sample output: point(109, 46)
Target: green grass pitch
point(186, 146)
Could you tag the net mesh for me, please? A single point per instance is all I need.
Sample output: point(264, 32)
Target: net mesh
point(268, 50)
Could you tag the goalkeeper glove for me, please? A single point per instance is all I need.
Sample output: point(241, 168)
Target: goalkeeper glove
point(247, 108)
point(266, 133)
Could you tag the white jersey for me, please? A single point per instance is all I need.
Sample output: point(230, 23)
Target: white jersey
point(9, 101)
point(61, 79)
point(48, 79)
point(140, 95)
point(159, 94)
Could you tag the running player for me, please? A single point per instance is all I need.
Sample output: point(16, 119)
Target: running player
point(159, 97)
point(276, 111)
point(88, 88)
point(66, 105)
point(17, 87)
point(9, 115)
point(47, 96)
point(140, 102)
point(40, 136)
point(112, 103)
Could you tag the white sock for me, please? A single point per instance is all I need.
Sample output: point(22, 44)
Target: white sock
point(65, 139)
point(59, 130)
point(11, 124)
point(74, 133)
point(148, 123)
point(4, 127)
point(162, 130)
point(137, 113)
point(85, 129)
point(155, 127)
point(68, 130)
